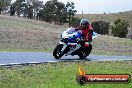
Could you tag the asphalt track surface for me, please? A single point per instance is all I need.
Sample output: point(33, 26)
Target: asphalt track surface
point(14, 58)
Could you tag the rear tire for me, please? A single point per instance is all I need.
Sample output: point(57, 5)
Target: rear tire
point(57, 51)
point(84, 53)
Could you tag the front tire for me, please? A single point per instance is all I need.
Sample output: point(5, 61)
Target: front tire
point(57, 51)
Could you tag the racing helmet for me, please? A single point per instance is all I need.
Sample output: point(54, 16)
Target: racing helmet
point(84, 23)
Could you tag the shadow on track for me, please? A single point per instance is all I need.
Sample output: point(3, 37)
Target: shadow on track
point(77, 59)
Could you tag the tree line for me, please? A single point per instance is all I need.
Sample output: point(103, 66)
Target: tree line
point(51, 11)
point(118, 29)
point(4, 5)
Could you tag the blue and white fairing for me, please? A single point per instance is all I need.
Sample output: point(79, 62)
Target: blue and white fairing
point(71, 34)
point(70, 37)
point(78, 35)
point(74, 37)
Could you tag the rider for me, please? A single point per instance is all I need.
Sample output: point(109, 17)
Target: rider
point(86, 30)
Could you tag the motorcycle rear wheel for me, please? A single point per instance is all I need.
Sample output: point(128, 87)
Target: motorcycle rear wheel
point(84, 54)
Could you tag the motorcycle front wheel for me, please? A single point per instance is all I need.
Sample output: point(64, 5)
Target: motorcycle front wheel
point(57, 53)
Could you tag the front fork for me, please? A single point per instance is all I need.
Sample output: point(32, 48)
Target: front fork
point(64, 45)
point(65, 48)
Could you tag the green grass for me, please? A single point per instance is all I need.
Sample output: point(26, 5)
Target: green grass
point(97, 52)
point(129, 42)
point(61, 75)
point(23, 50)
point(103, 52)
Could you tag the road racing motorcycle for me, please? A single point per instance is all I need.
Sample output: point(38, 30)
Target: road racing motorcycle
point(71, 44)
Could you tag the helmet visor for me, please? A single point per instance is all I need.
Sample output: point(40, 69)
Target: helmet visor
point(84, 26)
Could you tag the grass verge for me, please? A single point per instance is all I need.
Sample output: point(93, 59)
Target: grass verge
point(61, 75)
point(23, 50)
point(103, 52)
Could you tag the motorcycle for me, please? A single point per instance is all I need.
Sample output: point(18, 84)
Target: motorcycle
point(71, 44)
